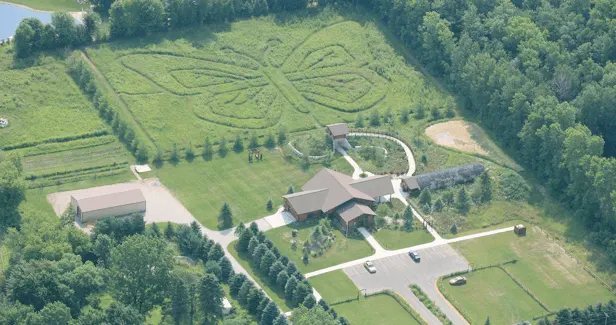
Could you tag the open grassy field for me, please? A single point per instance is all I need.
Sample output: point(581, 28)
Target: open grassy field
point(396, 239)
point(542, 267)
point(342, 250)
point(491, 293)
point(373, 310)
point(53, 125)
point(204, 186)
point(51, 5)
point(258, 75)
point(378, 156)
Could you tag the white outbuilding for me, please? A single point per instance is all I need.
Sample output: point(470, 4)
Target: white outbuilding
point(108, 205)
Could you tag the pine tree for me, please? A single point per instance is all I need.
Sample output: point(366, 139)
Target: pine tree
point(450, 112)
point(289, 288)
point(462, 201)
point(270, 142)
point(486, 187)
point(359, 123)
point(195, 227)
point(448, 198)
point(438, 205)
point(269, 205)
point(210, 296)
point(324, 304)
point(255, 296)
point(375, 119)
point(189, 151)
point(281, 320)
point(226, 269)
point(225, 218)
point(236, 283)
point(239, 229)
point(222, 147)
point(302, 290)
point(169, 233)
point(254, 143)
point(158, 157)
point(420, 113)
point(214, 268)
point(404, 116)
point(290, 189)
point(274, 270)
point(258, 254)
point(238, 145)
point(454, 229)
point(291, 268)
point(254, 227)
point(179, 304)
point(242, 295)
point(244, 241)
point(425, 198)
point(252, 245)
point(155, 230)
point(215, 253)
point(282, 137)
point(269, 314)
point(309, 301)
point(266, 262)
point(487, 321)
point(282, 278)
point(208, 152)
point(174, 153)
point(343, 321)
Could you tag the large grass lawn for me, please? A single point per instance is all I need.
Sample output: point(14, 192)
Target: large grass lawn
point(51, 5)
point(491, 293)
point(325, 66)
point(374, 310)
point(395, 239)
point(204, 186)
point(343, 250)
point(542, 267)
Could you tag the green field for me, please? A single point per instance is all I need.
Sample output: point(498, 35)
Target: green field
point(51, 5)
point(374, 310)
point(204, 186)
point(492, 293)
point(342, 250)
point(53, 126)
point(259, 75)
point(396, 239)
point(393, 162)
point(542, 267)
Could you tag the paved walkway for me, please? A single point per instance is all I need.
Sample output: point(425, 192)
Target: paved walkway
point(368, 236)
point(356, 169)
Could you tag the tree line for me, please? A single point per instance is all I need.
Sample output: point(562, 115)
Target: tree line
point(538, 73)
point(591, 315)
point(33, 36)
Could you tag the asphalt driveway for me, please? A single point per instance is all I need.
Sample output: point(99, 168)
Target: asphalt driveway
point(399, 271)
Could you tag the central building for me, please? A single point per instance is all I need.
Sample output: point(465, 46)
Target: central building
point(330, 193)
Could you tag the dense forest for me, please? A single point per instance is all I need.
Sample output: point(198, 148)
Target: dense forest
point(540, 75)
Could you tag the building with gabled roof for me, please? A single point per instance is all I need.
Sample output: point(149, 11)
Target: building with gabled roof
point(443, 178)
point(332, 193)
point(123, 203)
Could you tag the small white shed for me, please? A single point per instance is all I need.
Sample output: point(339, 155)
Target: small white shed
point(108, 205)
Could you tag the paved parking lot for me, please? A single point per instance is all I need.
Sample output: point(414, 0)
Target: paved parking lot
point(399, 271)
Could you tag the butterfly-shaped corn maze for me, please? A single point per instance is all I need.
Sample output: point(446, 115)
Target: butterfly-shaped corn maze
point(253, 90)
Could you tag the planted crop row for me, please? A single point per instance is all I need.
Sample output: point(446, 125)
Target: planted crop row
point(56, 140)
point(79, 157)
point(55, 147)
point(53, 175)
point(71, 179)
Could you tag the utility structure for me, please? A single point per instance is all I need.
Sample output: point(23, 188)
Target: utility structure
point(338, 133)
point(90, 208)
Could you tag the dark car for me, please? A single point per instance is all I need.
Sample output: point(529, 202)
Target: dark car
point(415, 256)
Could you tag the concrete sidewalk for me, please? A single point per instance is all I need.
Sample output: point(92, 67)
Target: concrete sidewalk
point(370, 239)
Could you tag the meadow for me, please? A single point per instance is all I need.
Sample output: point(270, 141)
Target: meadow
point(342, 294)
point(542, 267)
point(260, 75)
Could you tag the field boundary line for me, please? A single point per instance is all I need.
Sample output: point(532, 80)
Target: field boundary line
point(124, 107)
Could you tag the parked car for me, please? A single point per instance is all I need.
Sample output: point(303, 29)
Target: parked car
point(459, 280)
point(370, 267)
point(415, 256)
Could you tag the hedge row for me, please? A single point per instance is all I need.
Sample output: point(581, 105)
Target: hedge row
point(56, 140)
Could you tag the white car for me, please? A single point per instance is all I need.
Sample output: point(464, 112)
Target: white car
point(370, 267)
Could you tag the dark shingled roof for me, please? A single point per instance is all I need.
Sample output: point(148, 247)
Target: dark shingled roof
point(352, 210)
point(118, 199)
point(338, 129)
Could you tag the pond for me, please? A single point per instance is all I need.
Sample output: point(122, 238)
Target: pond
point(11, 16)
